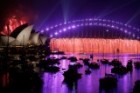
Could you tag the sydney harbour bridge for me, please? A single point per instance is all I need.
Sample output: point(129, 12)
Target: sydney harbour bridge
point(93, 35)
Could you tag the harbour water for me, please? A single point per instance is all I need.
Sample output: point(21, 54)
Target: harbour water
point(53, 83)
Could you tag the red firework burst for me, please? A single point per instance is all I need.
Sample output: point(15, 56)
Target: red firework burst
point(11, 24)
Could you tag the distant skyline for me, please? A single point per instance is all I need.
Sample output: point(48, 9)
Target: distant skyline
point(47, 12)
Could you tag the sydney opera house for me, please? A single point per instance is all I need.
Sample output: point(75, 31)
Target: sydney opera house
point(23, 36)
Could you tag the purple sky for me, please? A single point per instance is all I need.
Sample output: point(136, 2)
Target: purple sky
point(47, 12)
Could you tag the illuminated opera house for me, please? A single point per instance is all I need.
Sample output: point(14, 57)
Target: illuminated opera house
point(23, 35)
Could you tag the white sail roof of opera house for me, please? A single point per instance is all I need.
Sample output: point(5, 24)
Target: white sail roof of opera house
point(15, 43)
point(34, 39)
point(24, 35)
point(43, 39)
point(37, 39)
point(4, 40)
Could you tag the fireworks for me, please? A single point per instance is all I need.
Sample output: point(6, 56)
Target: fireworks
point(11, 24)
point(91, 45)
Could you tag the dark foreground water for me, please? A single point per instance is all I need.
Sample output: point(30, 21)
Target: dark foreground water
point(53, 83)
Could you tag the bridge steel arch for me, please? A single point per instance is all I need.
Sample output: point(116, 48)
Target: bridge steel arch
point(94, 45)
point(57, 29)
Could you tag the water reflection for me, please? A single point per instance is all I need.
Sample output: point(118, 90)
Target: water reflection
point(53, 83)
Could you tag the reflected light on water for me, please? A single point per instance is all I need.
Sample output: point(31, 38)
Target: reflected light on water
point(53, 83)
